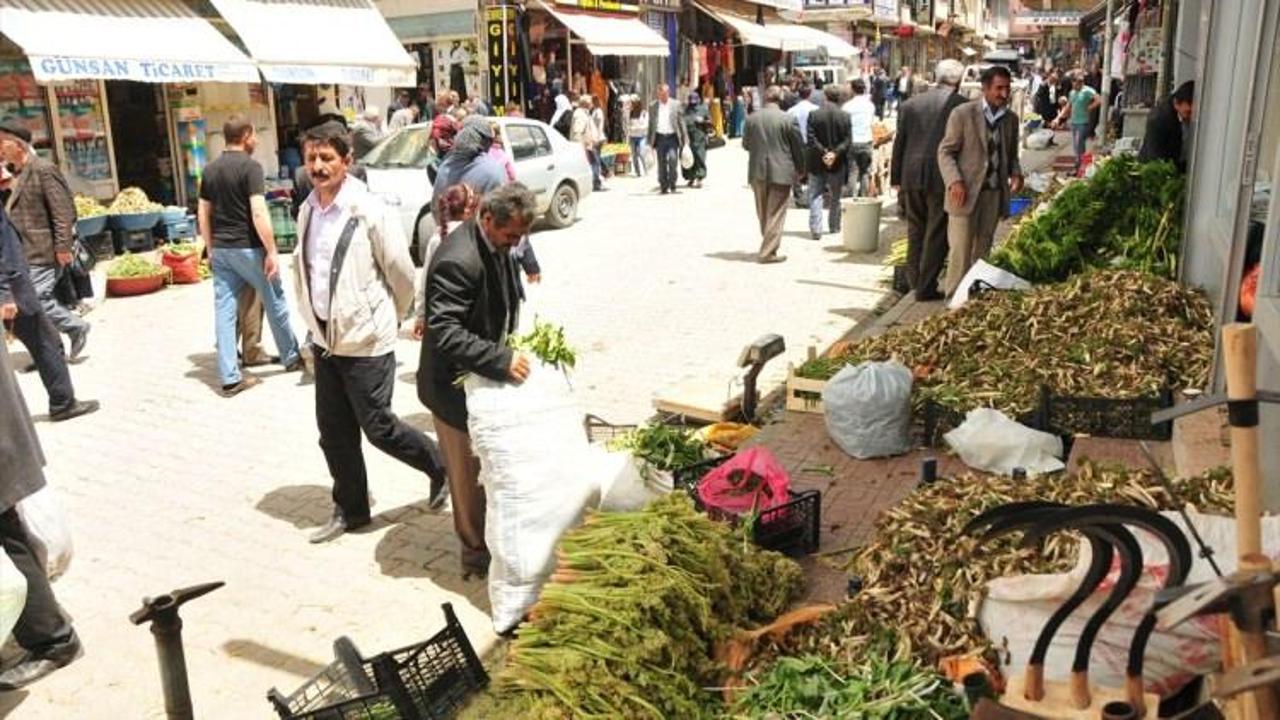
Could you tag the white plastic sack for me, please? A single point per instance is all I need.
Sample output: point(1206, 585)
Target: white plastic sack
point(868, 409)
point(46, 525)
point(535, 466)
point(1015, 609)
point(686, 156)
point(1039, 139)
point(13, 595)
point(1039, 182)
point(625, 484)
point(997, 278)
point(989, 440)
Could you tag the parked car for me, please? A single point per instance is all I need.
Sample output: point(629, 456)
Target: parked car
point(556, 170)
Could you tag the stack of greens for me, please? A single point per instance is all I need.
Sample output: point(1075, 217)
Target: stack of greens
point(627, 624)
point(133, 266)
point(662, 447)
point(547, 343)
point(1127, 216)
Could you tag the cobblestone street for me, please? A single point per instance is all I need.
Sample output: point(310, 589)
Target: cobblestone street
point(171, 485)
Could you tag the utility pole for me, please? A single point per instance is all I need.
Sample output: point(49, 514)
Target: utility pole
point(1104, 123)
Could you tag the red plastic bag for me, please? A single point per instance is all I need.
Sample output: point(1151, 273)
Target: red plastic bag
point(186, 268)
point(1249, 290)
point(751, 481)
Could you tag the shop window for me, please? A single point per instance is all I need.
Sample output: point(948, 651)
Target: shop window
point(527, 141)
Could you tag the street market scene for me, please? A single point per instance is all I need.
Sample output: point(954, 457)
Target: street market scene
point(552, 359)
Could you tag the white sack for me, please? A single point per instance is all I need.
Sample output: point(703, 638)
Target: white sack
point(46, 525)
point(625, 483)
point(990, 274)
point(13, 595)
point(1039, 139)
point(1039, 182)
point(868, 409)
point(989, 440)
point(536, 471)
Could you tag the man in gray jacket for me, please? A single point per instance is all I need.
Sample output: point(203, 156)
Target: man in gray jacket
point(667, 135)
point(354, 282)
point(776, 160)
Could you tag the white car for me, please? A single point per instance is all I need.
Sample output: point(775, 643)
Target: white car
point(556, 170)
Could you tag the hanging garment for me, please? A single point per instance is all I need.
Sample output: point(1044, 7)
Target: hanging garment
point(717, 117)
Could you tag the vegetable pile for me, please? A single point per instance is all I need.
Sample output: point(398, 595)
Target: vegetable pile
point(182, 249)
point(627, 625)
point(1127, 216)
point(922, 577)
point(897, 253)
point(87, 207)
point(547, 343)
point(134, 266)
point(132, 201)
point(1112, 334)
point(662, 447)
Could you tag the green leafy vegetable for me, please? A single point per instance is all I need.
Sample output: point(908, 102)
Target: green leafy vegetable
point(134, 266)
point(547, 343)
point(662, 447)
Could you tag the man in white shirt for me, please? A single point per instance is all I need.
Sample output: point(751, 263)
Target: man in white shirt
point(666, 136)
point(800, 114)
point(862, 114)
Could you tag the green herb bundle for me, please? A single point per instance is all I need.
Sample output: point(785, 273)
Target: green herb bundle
point(662, 447)
point(547, 343)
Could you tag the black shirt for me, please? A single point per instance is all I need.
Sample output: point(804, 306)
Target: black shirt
point(228, 184)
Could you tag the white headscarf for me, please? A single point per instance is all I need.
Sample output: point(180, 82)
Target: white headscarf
point(562, 106)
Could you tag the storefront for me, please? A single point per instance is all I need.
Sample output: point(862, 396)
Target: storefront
point(444, 40)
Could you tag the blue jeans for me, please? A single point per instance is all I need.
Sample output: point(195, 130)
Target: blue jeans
point(233, 268)
point(637, 156)
point(820, 184)
point(1079, 140)
point(593, 155)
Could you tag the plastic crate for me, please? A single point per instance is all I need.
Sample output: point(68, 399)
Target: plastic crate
point(937, 421)
point(101, 245)
point(790, 528)
point(286, 242)
point(178, 230)
point(134, 241)
point(1125, 418)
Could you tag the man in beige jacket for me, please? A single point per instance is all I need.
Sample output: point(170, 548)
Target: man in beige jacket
point(354, 280)
point(978, 158)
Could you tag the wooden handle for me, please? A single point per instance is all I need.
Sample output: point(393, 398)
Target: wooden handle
point(1080, 694)
point(1133, 691)
point(1240, 353)
point(1033, 689)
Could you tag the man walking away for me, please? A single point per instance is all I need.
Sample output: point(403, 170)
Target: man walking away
point(666, 136)
point(43, 630)
point(1163, 140)
point(472, 307)
point(879, 88)
point(828, 145)
point(354, 282)
point(776, 158)
point(799, 112)
point(236, 227)
point(861, 112)
point(1081, 103)
point(42, 210)
point(914, 173)
point(978, 159)
point(20, 308)
point(367, 132)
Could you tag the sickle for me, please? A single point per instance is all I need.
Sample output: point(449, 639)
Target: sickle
point(1126, 545)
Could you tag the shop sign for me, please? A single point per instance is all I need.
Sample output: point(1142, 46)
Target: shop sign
point(1049, 18)
point(885, 9)
point(338, 75)
point(604, 6)
point(505, 81)
point(51, 68)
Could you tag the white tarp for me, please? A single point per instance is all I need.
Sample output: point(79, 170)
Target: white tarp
point(774, 34)
point(612, 35)
point(144, 40)
point(283, 38)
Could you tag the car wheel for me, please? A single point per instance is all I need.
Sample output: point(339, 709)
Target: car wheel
point(564, 206)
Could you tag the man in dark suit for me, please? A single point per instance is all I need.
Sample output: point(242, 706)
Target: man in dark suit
point(776, 157)
point(43, 630)
point(1163, 140)
point(914, 173)
point(828, 147)
point(473, 304)
point(20, 307)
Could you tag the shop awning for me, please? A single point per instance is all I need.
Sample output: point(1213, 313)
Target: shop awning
point(835, 46)
point(777, 35)
point(320, 42)
point(146, 40)
point(605, 35)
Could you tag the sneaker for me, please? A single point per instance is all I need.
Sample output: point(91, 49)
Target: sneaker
point(78, 342)
point(246, 382)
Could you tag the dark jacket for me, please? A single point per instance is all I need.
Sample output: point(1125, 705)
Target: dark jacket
point(1163, 140)
point(1045, 106)
point(829, 130)
point(465, 328)
point(773, 142)
point(921, 123)
point(43, 211)
point(20, 454)
point(15, 277)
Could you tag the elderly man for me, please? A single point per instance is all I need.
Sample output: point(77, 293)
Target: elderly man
point(978, 160)
point(367, 132)
point(42, 210)
point(667, 135)
point(473, 305)
point(775, 163)
point(914, 174)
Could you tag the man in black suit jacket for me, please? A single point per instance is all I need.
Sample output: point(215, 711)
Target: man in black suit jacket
point(473, 304)
point(914, 173)
point(829, 134)
point(1163, 139)
point(775, 159)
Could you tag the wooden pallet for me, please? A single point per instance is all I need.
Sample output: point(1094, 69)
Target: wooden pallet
point(1057, 701)
point(803, 394)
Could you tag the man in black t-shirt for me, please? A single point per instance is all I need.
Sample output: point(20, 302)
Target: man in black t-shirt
point(236, 227)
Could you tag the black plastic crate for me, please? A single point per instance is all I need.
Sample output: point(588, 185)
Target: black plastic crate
point(439, 675)
point(790, 528)
point(1125, 418)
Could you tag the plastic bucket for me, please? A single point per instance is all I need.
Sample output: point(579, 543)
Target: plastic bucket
point(860, 219)
point(1018, 205)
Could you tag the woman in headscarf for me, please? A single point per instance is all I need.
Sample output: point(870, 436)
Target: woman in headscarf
point(562, 119)
point(469, 161)
point(697, 124)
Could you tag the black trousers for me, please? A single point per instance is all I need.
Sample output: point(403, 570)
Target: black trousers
point(926, 238)
point(42, 626)
point(353, 394)
point(44, 343)
point(667, 148)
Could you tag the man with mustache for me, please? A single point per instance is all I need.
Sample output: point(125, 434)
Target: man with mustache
point(354, 280)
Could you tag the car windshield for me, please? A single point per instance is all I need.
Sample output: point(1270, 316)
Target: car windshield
point(408, 148)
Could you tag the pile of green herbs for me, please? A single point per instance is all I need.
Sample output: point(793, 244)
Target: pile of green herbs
point(661, 447)
point(1127, 216)
point(628, 624)
point(547, 343)
point(1108, 334)
point(134, 266)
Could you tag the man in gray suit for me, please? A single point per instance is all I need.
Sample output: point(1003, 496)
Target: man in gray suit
point(772, 140)
point(978, 159)
point(914, 174)
point(667, 135)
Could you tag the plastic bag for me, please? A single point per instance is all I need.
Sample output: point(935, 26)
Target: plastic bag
point(185, 268)
point(686, 157)
point(868, 409)
point(1039, 139)
point(626, 485)
point(46, 525)
point(13, 595)
point(750, 482)
point(536, 469)
point(997, 278)
point(989, 440)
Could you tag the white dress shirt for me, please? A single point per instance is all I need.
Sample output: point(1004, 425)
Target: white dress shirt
point(800, 112)
point(665, 111)
point(862, 114)
point(324, 227)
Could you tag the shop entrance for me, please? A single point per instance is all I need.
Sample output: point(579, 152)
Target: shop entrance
point(140, 138)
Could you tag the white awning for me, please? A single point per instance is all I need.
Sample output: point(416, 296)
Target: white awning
point(611, 35)
point(145, 40)
point(836, 47)
point(777, 35)
point(320, 42)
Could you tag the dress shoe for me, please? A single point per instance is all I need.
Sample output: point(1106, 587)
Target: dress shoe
point(335, 528)
point(772, 259)
point(81, 407)
point(78, 342)
point(929, 296)
point(246, 382)
point(38, 665)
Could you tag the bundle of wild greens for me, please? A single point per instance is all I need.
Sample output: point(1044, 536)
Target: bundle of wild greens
point(546, 342)
point(662, 447)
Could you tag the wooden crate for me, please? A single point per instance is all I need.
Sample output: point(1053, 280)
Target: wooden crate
point(803, 394)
